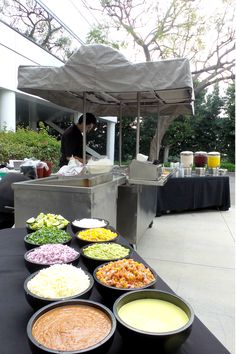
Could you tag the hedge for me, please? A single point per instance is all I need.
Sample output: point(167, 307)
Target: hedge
point(26, 143)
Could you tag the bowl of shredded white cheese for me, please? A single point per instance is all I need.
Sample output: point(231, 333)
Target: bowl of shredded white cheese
point(56, 283)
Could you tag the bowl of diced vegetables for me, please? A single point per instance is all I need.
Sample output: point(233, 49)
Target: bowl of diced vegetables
point(114, 278)
point(97, 253)
point(56, 283)
point(46, 255)
point(99, 234)
point(47, 235)
point(46, 220)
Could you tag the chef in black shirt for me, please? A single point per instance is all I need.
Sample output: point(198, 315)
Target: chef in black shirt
point(72, 139)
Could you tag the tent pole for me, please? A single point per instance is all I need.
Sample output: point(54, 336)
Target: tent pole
point(84, 128)
point(138, 124)
point(120, 135)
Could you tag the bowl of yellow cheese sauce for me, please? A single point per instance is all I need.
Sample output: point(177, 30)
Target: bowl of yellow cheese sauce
point(153, 317)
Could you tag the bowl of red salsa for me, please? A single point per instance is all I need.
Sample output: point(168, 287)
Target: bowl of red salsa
point(117, 277)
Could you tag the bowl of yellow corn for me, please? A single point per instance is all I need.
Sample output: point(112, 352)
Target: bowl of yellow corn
point(99, 234)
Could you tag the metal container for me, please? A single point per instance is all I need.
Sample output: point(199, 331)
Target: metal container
point(68, 197)
point(200, 171)
point(144, 170)
point(223, 171)
point(214, 171)
point(186, 159)
point(187, 171)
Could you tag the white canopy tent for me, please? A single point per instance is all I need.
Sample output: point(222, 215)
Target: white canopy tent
point(100, 80)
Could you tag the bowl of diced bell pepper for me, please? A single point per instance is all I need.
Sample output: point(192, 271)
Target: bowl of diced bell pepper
point(117, 277)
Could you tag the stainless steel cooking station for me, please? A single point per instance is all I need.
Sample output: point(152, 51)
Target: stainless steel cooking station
point(70, 197)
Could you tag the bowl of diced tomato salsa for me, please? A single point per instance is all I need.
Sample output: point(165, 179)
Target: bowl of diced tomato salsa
point(114, 278)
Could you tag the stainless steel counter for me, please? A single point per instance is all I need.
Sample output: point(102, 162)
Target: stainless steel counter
point(136, 209)
point(68, 197)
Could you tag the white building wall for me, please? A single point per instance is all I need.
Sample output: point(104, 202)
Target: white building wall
point(7, 109)
point(16, 50)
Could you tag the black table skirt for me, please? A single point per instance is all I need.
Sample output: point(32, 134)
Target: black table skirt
point(191, 193)
point(15, 311)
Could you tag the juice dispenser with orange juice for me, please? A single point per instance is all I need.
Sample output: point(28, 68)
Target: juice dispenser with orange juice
point(213, 159)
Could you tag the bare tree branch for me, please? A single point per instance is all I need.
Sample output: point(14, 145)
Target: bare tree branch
point(178, 29)
point(34, 22)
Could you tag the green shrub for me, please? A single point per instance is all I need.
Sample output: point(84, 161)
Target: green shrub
point(230, 166)
point(26, 143)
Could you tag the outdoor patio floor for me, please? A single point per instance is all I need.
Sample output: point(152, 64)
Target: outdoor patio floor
point(193, 252)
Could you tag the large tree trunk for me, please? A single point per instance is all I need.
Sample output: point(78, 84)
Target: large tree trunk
point(163, 124)
point(166, 153)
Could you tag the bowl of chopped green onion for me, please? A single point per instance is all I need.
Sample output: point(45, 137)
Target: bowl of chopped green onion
point(46, 235)
point(97, 253)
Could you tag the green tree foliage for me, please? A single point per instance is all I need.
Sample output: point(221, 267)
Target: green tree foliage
point(128, 138)
point(228, 124)
point(99, 34)
point(211, 129)
point(147, 130)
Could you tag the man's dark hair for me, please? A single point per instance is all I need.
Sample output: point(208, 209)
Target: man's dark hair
point(90, 119)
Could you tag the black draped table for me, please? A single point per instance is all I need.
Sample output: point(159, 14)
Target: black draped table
point(195, 192)
point(15, 311)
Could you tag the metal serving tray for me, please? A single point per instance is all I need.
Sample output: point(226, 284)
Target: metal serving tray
point(144, 170)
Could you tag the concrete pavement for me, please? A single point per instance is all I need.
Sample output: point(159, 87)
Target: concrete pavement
point(193, 252)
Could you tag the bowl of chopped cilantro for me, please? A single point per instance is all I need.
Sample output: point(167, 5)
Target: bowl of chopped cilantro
point(47, 235)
